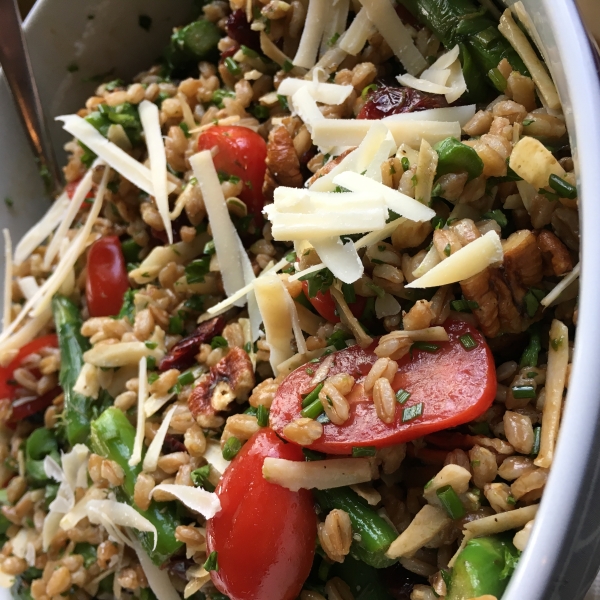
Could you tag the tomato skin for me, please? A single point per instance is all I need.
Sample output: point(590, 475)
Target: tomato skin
point(6, 373)
point(107, 279)
point(264, 534)
point(72, 186)
point(242, 153)
point(454, 385)
point(325, 306)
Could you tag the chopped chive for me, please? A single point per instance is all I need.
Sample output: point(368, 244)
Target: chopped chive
point(467, 341)
point(150, 363)
point(498, 79)
point(186, 378)
point(527, 122)
point(464, 305)
point(262, 415)
point(412, 412)
point(312, 396)
point(338, 339)
point(311, 455)
point(233, 67)
point(209, 247)
point(231, 448)
point(437, 191)
point(530, 355)
point(451, 502)
point(313, 410)
point(186, 130)
point(150, 345)
point(175, 325)
point(194, 303)
point(475, 463)
point(152, 377)
point(510, 499)
point(425, 346)
point(523, 391)
point(448, 250)
point(367, 90)
point(556, 343)
point(287, 66)
point(438, 222)
point(379, 291)
point(333, 39)
point(360, 451)
point(260, 112)
point(248, 52)
point(535, 449)
point(218, 342)
point(531, 303)
point(211, 563)
point(405, 163)
point(563, 188)
point(402, 396)
point(283, 102)
point(349, 293)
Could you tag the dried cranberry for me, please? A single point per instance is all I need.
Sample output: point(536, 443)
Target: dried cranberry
point(389, 100)
point(182, 355)
point(238, 29)
point(172, 444)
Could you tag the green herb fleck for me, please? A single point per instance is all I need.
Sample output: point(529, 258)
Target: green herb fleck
point(402, 396)
point(361, 451)
point(211, 563)
point(412, 412)
point(231, 448)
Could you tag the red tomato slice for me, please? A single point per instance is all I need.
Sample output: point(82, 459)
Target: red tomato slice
point(242, 153)
point(264, 534)
point(325, 306)
point(72, 186)
point(6, 373)
point(454, 385)
point(107, 279)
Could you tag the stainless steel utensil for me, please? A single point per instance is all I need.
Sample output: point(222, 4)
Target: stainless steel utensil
point(15, 62)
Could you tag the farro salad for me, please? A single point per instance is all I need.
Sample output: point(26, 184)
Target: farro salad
point(300, 324)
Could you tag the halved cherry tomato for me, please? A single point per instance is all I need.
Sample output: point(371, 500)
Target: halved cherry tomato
point(242, 153)
point(264, 534)
point(453, 384)
point(107, 279)
point(72, 186)
point(6, 373)
point(323, 303)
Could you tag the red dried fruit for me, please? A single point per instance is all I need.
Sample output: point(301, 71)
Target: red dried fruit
point(390, 100)
point(238, 29)
point(182, 355)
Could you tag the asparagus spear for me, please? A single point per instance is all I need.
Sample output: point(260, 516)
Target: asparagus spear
point(376, 534)
point(112, 437)
point(72, 345)
point(466, 22)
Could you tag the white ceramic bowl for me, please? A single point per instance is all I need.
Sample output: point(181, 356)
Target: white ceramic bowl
point(564, 551)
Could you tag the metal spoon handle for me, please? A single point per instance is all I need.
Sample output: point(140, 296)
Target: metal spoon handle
point(15, 62)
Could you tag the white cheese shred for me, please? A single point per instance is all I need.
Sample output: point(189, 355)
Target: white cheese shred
point(314, 25)
point(151, 459)
point(360, 30)
point(556, 292)
point(395, 33)
point(466, 262)
point(41, 230)
point(227, 246)
point(305, 106)
point(110, 153)
point(327, 93)
point(138, 444)
point(150, 118)
point(271, 296)
point(195, 498)
point(341, 259)
point(8, 275)
point(335, 24)
point(82, 190)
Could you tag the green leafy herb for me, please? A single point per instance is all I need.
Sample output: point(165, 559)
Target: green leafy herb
point(349, 293)
point(197, 269)
point(262, 415)
point(200, 478)
point(211, 563)
point(498, 216)
point(186, 130)
point(283, 102)
point(467, 341)
point(367, 90)
point(260, 112)
point(287, 66)
point(338, 339)
point(231, 448)
point(412, 412)
point(209, 247)
point(194, 303)
point(128, 308)
point(220, 95)
point(150, 363)
point(312, 396)
point(150, 345)
point(175, 325)
point(379, 291)
point(464, 305)
point(438, 222)
point(448, 250)
point(563, 188)
point(233, 67)
point(360, 451)
point(556, 343)
point(498, 79)
point(527, 122)
point(402, 396)
point(333, 39)
point(405, 163)
point(451, 502)
point(530, 355)
point(218, 342)
point(319, 281)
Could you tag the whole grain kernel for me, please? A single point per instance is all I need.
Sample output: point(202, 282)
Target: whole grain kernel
point(335, 535)
point(335, 404)
point(195, 441)
point(384, 400)
point(59, 582)
point(143, 488)
point(303, 431)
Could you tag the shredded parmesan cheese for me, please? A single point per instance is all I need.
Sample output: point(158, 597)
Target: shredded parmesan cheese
point(532, 161)
point(557, 291)
point(121, 354)
point(462, 114)
point(327, 93)
point(345, 132)
point(517, 39)
point(150, 118)
point(195, 498)
point(335, 24)
point(322, 475)
point(314, 25)
point(110, 153)
point(138, 444)
point(41, 230)
point(270, 50)
point(8, 275)
point(305, 106)
point(464, 263)
point(558, 362)
point(81, 192)
point(340, 258)
point(275, 310)
point(153, 453)
point(426, 168)
point(226, 239)
point(397, 201)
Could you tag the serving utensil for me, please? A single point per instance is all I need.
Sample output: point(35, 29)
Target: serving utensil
point(15, 62)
